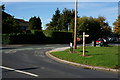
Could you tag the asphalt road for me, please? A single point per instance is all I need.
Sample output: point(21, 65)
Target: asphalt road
point(30, 61)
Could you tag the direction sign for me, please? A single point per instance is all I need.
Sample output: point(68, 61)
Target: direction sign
point(86, 35)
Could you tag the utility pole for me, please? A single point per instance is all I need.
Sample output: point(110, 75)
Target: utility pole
point(75, 33)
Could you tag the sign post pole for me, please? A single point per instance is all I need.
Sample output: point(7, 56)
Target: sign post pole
point(83, 44)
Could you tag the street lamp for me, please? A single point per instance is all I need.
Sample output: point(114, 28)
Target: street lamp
point(75, 36)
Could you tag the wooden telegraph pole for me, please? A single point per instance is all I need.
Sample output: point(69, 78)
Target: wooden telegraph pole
point(75, 33)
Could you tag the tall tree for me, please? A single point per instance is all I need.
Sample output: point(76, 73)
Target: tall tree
point(117, 26)
point(55, 23)
point(61, 21)
point(35, 23)
point(67, 18)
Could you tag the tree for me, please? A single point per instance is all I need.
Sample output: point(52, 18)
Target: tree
point(61, 21)
point(117, 26)
point(95, 27)
point(67, 18)
point(89, 25)
point(9, 24)
point(105, 28)
point(35, 23)
point(2, 7)
point(55, 23)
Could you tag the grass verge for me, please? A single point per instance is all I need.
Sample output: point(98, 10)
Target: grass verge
point(97, 56)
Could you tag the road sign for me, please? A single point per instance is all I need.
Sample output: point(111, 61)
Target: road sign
point(86, 35)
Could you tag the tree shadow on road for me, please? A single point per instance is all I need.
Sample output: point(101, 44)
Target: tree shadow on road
point(24, 69)
point(6, 48)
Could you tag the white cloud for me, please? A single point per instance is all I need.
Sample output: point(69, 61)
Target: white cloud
point(59, 0)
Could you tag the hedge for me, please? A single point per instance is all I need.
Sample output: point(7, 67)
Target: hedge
point(58, 37)
point(38, 37)
point(5, 38)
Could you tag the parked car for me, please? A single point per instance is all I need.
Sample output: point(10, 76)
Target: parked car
point(102, 42)
point(99, 42)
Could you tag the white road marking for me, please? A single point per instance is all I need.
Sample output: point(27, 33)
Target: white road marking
point(15, 50)
point(11, 51)
point(48, 47)
point(38, 48)
point(42, 67)
point(23, 72)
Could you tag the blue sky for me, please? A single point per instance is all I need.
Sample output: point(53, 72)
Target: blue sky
point(45, 10)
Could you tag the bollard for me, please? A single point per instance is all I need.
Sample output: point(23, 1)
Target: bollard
point(94, 43)
point(71, 47)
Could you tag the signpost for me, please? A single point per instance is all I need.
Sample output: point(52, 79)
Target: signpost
point(84, 43)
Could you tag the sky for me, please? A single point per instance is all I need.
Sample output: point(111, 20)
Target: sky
point(59, 0)
point(45, 10)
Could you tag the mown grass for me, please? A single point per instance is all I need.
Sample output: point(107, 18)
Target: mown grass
point(97, 56)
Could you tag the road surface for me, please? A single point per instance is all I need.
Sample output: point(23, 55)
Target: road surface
point(30, 61)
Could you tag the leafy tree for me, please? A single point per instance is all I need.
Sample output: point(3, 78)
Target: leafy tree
point(35, 23)
point(89, 25)
point(105, 28)
point(117, 26)
point(95, 27)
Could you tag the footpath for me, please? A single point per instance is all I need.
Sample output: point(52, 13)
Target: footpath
point(76, 64)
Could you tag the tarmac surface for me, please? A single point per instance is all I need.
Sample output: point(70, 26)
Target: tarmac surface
point(30, 61)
